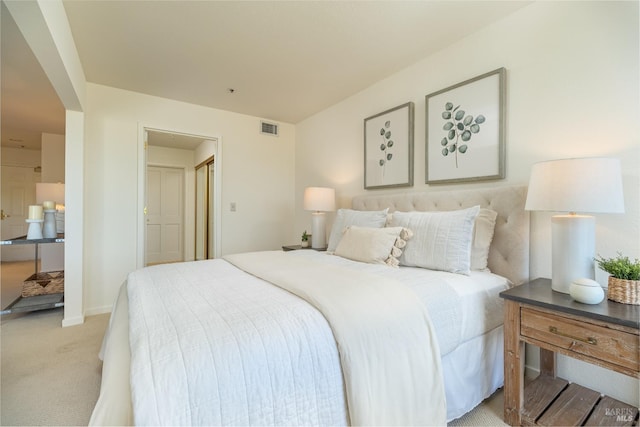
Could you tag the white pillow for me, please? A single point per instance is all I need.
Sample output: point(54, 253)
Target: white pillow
point(482, 237)
point(373, 245)
point(441, 240)
point(347, 217)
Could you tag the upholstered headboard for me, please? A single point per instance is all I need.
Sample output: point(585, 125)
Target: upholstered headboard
point(509, 252)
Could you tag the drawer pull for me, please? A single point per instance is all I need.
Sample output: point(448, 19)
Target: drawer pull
point(588, 340)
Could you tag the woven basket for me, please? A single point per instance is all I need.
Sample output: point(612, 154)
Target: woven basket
point(51, 282)
point(624, 291)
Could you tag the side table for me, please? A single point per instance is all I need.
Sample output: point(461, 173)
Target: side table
point(37, 302)
point(298, 247)
point(605, 334)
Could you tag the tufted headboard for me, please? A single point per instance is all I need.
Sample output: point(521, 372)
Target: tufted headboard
point(509, 251)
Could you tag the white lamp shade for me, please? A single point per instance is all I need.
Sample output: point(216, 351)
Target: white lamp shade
point(46, 191)
point(319, 199)
point(590, 185)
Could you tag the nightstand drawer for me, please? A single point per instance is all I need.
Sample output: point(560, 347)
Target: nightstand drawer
point(588, 339)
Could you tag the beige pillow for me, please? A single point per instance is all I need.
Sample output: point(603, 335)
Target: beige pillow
point(482, 237)
point(441, 241)
point(346, 217)
point(373, 245)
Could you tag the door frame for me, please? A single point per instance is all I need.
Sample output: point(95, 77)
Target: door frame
point(206, 164)
point(142, 185)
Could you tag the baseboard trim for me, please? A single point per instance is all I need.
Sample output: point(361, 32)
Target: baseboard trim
point(98, 310)
point(73, 321)
point(531, 372)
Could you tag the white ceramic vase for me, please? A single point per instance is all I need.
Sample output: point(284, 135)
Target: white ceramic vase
point(586, 291)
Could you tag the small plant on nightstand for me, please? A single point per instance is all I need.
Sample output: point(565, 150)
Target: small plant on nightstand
point(305, 239)
point(624, 279)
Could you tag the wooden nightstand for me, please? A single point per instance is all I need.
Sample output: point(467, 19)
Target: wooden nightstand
point(297, 247)
point(605, 334)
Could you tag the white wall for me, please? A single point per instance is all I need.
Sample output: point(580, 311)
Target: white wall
point(183, 159)
point(258, 175)
point(52, 157)
point(205, 150)
point(572, 91)
point(20, 157)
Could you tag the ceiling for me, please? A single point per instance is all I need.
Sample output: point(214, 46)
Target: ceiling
point(279, 60)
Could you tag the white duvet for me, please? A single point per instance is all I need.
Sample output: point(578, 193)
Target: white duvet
point(388, 352)
point(211, 344)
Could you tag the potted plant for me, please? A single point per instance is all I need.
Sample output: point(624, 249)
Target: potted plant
point(624, 278)
point(305, 239)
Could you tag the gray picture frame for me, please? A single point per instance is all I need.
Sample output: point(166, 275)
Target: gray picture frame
point(468, 121)
point(388, 148)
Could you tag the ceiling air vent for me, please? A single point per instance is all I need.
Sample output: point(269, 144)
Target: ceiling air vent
point(269, 128)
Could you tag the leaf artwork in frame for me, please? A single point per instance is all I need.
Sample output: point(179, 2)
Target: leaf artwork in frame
point(459, 128)
point(388, 148)
point(465, 130)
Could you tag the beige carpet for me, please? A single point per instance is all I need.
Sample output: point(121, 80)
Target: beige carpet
point(50, 375)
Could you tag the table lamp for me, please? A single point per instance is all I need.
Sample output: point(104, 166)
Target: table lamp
point(319, 200)
point(586, 185)
point(51, 197)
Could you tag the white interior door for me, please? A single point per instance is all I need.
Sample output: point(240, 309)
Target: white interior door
point(18, 192)
point(165, 222)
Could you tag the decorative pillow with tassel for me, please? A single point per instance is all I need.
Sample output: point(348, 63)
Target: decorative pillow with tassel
point(373, 245)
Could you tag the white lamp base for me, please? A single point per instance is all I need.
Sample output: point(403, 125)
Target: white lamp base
point(573, 250)
point(35, 229)
point(49, 228)
point(318, 231)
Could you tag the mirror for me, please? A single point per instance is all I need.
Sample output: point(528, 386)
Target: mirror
point(204, 237)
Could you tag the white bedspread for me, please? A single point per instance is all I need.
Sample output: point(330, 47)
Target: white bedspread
point(213, 345)
point(389, 355)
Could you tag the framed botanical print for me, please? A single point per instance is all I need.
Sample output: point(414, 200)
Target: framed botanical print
point(388, 148)
point(465, 130)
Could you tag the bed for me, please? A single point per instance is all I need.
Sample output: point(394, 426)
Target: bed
point(261, 339)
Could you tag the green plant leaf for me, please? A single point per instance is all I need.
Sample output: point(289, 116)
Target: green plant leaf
point(459, 114)
point(474, 128)
point(389, 156)
point(480, 119)
point(468, 120)
point(621, 267)
point(460, 126)
point(382, 147)
point(387, 123)
point(452, 134)
point(390, 144)
point(388, 134)
point(452, 148)
point(466, 135)
point(448, 106)
point(462, 148)
point(444, 141)
point(447, 126)
point(446, 115)
point(382, 131)
point(445, 152)
point(381, 162)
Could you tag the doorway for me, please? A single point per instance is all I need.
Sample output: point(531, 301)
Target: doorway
point(166, 152)
point(18, 192)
